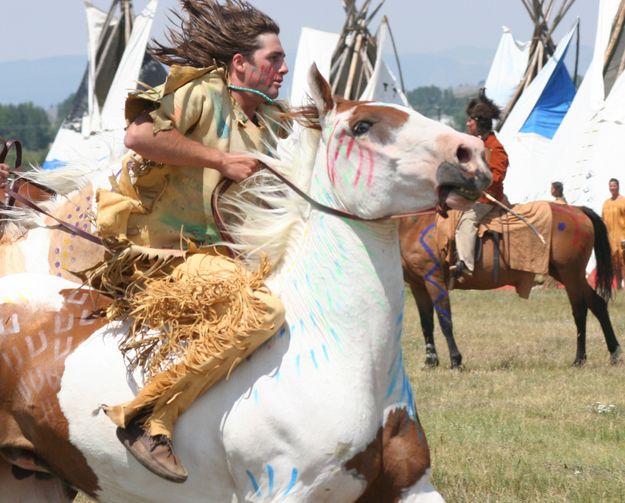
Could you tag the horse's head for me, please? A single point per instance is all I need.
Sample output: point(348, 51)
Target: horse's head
point(385, 159)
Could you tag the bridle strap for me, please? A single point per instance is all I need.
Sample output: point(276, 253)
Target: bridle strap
point(333, 211)
point(17, 169)
point(6, 147)
point(225, 183)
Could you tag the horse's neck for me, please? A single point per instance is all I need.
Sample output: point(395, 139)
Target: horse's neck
point(342, 283)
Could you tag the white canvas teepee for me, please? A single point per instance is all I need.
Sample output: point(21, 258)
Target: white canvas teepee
point(584, 153)
point(546, 16)
point(117, 61)
point(352, 61)
point(507, 68)
point(527, 132)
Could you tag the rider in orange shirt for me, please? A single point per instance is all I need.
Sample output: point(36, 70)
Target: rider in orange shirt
point(480, 111)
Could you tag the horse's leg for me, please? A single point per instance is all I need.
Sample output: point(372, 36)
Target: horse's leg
point(31, 489)
point(575, 286)
point(426, 317)
point(599, 308)
point(439, 299)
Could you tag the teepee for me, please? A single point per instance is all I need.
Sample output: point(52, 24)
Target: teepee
point(584, 149)
point(538, 102)
point(352, 61)
point(117, 62)
point(546, 16)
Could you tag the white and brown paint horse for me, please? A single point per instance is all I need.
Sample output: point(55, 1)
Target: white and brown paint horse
point(324, 411)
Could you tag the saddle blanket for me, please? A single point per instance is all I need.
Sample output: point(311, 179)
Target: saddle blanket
point(520, 247)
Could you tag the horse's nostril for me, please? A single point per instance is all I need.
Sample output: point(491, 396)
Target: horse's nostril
point(463, 154)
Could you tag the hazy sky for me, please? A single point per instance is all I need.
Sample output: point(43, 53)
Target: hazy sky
point(33, 29)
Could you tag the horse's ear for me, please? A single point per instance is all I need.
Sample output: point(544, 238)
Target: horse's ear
point(320, 90)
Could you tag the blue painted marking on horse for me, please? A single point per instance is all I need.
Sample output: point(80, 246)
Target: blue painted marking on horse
point(313, 358)
point(445, 315)
point(288, 489)
point(254, 483)
point(561, 226)
point(394, 372)
point(270, 479)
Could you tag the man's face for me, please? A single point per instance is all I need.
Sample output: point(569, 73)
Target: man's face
point(266, 68)
point(614, 189)
point(472, 126)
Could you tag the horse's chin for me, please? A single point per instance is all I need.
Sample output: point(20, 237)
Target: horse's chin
point(449, 198)
point(458, 202)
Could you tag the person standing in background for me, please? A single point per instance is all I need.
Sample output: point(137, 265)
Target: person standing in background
point(613, 215)
point(557, 191)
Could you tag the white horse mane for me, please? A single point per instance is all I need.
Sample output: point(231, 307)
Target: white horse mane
point(263, 213)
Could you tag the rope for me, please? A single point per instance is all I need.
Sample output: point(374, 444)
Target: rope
point(253, 91)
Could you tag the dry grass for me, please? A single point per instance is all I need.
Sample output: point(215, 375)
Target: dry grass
point(519, 424)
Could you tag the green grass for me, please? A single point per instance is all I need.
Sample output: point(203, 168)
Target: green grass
point(519, 423)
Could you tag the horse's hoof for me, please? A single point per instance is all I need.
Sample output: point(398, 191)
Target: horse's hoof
point(457, 366)
point(579, 362)
point(615, 356)
point(430, 362)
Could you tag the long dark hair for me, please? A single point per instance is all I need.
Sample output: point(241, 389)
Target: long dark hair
point(213, 32)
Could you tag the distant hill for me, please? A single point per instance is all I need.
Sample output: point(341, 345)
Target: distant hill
point(462, 66)
point(47, 82)
point(44, 82)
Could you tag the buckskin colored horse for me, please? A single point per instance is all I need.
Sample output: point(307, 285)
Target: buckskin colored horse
point(574, 233)
point(324, 411)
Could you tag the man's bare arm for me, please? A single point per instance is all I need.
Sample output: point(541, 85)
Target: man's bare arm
point(172, 147)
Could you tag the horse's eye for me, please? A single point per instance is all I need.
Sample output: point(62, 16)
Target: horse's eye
point(361, 127)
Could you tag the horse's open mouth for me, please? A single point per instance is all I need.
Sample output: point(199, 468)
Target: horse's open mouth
point(453, 196)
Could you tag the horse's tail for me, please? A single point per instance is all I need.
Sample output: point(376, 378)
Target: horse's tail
point(603, 256)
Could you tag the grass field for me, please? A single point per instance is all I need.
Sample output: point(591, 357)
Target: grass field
point(519, 424)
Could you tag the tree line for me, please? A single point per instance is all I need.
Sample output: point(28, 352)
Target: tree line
point(437, 103)
point(31, 125)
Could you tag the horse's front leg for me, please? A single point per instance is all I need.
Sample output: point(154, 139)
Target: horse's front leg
point(426, 317)
point(439, 299)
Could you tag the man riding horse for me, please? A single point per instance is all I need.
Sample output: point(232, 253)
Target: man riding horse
point(227, 66)
point(480, 111)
